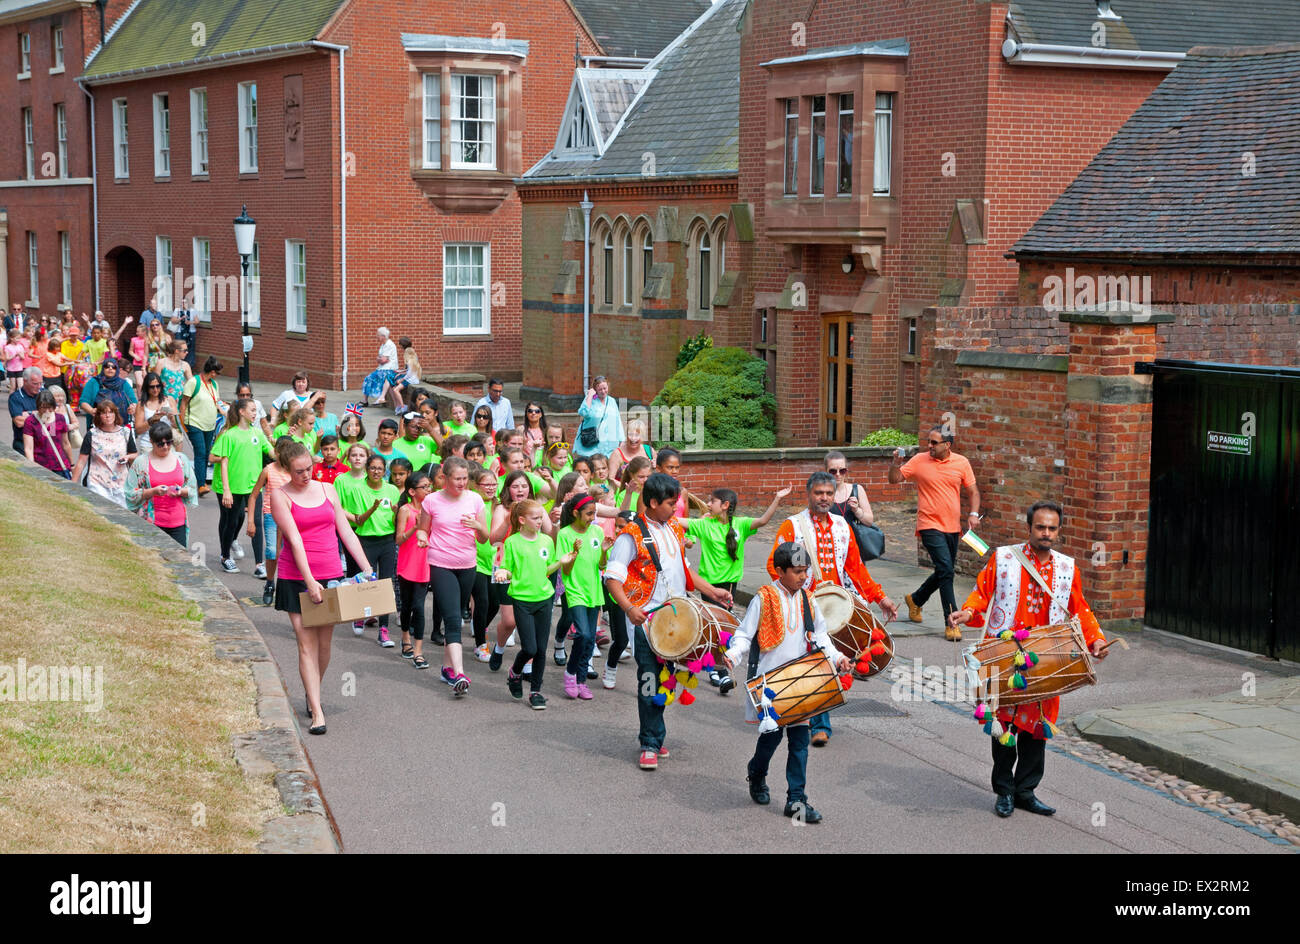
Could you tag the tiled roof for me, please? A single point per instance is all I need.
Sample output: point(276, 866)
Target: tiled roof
point(1157, 25)
point(158, 34)
point(639, 28)
point(1209, 163)
point(688, 118)
point(610, 92)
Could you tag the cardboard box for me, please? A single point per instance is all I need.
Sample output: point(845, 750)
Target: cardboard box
point(349, 602)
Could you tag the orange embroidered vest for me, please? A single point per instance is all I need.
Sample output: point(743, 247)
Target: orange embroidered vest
point(641, 573)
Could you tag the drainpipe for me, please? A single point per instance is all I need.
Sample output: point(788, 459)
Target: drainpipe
point(587, 207)
point(94, 185)
point(343, 199)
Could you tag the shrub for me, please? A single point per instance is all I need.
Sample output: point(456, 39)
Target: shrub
point(692, 347)
point(730, 384)
point(888, 437)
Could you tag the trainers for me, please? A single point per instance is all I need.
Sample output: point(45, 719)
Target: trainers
point(591, 669)
point(513, 640)
point(611, 676)
point(649, 760)
point(384, 641)
point(584, 692)
point(570, 685)
point(725, 684)
point(516, 685)
point(483, 653)
point(460, 687)
point(561, 656)
point(268, 593)
point(448, 675)
point(237, 550)
point(537, 701)
point(494, 660)
point(358, 628)
point(259, 571)
point(602, 637)
point(663, 753)
point(715, 678)
point(627, 653)
point(229, 566)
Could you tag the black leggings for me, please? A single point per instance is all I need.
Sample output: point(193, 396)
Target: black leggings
point(381, 551)
point(533, 623)
point(259, 538)
point(411, 594)
point(565, 621)
point(452, 589)
point(486, 606)
point(617, 629)
point(229, 522)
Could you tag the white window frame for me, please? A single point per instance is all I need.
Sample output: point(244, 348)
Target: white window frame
point(814, 165)
point(202, 255)
point(578, 136)
point(162, 135)
point(484, 287)
point(29, 145)
point(253, 289)
point(790, 149)
point(61, 130)
point(486, 124)
point(248, 127)
point(295, 286)
point(56, 50)
point(840, 137)
point(165, 270)
point(198, 132)
point(881, 169)
point(24, 55)
point(33, 271)
point(431, 157)
point(65, 257)
point(121, 141)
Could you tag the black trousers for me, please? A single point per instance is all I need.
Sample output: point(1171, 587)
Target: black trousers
point(381, 552)
point(617, 630)
point(1027, 773)
point(411, 594)
point(486, 605)
point(230, 521)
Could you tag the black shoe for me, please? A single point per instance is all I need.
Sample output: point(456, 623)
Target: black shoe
point(1031, 803)
point(758, 790)
point(316, 729)
point(805, 812)
point(1005, 806)
point(268, 593)
point(725, 684)
point(516, 685)
point(494, 660)
point(437, 639)
point(537, 701)
point(464, 615)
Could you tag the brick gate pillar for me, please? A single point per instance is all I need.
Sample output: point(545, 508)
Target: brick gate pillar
point(1108, 456)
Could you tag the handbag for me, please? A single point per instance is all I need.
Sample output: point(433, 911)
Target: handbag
point(589, 436)
point(871, 540)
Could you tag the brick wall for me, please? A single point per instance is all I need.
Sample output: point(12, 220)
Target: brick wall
point(1229, 281)
point(755, 474)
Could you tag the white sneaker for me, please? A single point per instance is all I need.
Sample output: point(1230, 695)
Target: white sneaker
point(359, 628)
point(238, 551)
point(627, 653)
point(229, 566)
point(610, 676)
point(259, 571)
point(483, 653)
point(513, 640)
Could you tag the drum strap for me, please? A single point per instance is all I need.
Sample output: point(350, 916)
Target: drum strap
point(752, 671)
point(648, 540)
point(1018, 553)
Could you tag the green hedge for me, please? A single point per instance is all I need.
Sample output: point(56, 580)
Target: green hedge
point(730, 385)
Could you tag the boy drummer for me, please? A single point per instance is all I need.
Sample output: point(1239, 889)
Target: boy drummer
point(647, 565)
point(785, 623)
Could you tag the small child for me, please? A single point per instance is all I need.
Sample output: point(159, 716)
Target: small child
point(139, 351)
point(412, 568)
point(330, 466)
point(583, 589)
point(783, 623)
point(474, 453)
point(98, 345)
point(15, 354)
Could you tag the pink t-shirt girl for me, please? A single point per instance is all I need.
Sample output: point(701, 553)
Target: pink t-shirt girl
point(452, 545)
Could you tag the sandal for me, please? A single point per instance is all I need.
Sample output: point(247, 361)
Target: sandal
point(408, 651)
point(420, 662)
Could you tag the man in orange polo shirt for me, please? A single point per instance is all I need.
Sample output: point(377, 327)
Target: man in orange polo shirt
point(940, 476)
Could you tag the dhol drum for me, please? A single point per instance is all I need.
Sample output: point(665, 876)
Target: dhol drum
point(689, 630)
point(798, 689)
point(78, 375)
point(854, 629)
point(1063, 664)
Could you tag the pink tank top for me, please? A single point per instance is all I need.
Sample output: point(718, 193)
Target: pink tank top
point(319, 541)
point(168, 510)
point(412, 560)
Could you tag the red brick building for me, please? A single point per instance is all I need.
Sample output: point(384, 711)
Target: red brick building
point(46, 184)
point(375, 142)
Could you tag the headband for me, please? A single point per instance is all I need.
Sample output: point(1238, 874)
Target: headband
point(582, 501)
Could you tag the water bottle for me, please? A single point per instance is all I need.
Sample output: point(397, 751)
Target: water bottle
point(332, 584)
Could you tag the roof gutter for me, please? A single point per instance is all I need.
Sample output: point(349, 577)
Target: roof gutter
point(621, 178)
point(205, 62)
point(1095, 57)
point(343, 199)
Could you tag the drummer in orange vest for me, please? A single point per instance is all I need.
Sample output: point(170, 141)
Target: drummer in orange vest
point(782, 623)
point(646, 566)
point(1015, 600)
point(835, 558)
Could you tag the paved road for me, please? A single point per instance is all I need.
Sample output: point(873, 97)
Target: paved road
point(405, 768)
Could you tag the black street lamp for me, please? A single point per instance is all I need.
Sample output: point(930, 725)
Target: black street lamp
point(245, 231)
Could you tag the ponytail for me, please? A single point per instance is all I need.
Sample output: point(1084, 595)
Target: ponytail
point(731, 500)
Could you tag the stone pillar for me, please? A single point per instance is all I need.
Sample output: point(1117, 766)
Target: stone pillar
point(1108, 456)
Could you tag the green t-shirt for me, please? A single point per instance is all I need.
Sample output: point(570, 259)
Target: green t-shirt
point(243, 450)
point(308, 439)
point(421, 452)
point(716, 565)
point(633, 505)
point(536, 480)
point(527, 562)
point(582, 584)
point(460, 429)
point(485, 551)
point(356, 496)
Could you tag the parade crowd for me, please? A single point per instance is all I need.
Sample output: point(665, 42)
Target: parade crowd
point(560, 543)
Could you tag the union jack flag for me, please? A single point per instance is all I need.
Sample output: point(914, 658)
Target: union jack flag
point(353, 408)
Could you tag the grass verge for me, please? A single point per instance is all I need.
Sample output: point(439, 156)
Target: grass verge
point(152, 768)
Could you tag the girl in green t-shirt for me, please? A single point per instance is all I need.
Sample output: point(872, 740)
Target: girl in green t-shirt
point(527, 561)
point(237, 453)
point(583, 590)
point(351, 432)
point(485, 597)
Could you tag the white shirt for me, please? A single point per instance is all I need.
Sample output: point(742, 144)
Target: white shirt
point(388, 356)
point(503, 414)
point(671, 579)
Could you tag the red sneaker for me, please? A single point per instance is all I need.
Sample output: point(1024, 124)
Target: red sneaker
point(649, 760)
point(663, 753)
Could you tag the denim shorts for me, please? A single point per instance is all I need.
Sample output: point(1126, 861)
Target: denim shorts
point(271, 536)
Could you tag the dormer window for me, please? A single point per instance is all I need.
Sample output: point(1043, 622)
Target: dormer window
point(599, 102)
point(577, 128)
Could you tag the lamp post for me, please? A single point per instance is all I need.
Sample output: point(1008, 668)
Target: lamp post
point(245, 231)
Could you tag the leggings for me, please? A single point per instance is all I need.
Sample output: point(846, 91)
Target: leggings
point(617, 629)
point(486, 605)
point(229, 522)
point(452, 588)
point(381, 551)
point(411, 594)
point(566, 620)
point(533, 623)
point(178, 534)
point(259, 536)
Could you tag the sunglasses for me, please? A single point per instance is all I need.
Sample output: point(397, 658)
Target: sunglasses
point(531, 410)
point(936, 442)
point(163, 442)
point(838, 471)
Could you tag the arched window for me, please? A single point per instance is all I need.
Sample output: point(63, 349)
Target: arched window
point(647, 256)
point(706, 272)
point(609, 267)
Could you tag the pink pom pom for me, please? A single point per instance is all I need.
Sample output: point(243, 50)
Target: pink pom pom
point(1021, 635)
point(695, 666)
point(725, 638)
point(707, 662)
point(979, 712)
point(670, 683)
